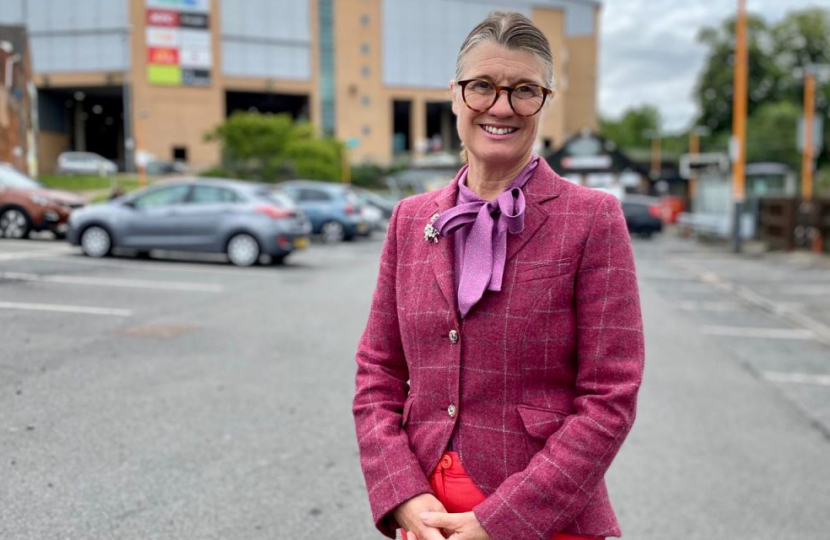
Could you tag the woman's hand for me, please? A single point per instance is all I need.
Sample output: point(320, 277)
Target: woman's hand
point(463, 526)
point(408, 516)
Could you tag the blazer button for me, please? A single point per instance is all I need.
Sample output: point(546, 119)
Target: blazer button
point(453, 337)
point(452, 411)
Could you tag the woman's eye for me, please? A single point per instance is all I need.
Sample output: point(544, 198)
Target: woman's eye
point(526, 91)
point(482, 86)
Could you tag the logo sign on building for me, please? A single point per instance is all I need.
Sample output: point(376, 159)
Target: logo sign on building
point(179, 48)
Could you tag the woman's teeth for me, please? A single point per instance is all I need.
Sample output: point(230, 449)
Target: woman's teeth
point(498, 131)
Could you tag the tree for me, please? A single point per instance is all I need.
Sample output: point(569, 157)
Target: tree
point(778, 54)
point(632, 128)
point(274, 147)
point(771, 134)
point(714, 88)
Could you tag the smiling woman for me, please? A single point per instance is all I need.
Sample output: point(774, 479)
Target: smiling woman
point(498, 374)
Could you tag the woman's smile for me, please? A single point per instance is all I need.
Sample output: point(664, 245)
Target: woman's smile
point(498, 131)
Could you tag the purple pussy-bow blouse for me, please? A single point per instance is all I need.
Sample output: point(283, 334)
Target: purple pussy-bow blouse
point(481, 229)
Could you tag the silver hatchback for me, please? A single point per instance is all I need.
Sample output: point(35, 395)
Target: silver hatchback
point(242, 219)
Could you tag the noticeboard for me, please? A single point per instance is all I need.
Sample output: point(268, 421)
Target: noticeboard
point(178, 42)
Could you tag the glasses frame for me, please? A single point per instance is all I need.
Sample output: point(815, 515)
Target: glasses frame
point(509, 89)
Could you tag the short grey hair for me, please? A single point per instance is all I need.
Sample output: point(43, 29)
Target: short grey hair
point(513, 31)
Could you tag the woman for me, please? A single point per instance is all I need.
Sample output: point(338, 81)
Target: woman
point(498, 373)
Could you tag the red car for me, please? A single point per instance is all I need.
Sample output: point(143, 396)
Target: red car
point(26, 206)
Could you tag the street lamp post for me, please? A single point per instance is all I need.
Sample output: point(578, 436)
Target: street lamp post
point(808, 150)
point(739, 106)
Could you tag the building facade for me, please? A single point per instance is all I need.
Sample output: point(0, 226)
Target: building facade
point(17, 101)
point(137, 77)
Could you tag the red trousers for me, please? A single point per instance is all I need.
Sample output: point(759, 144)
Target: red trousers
point(458, 493)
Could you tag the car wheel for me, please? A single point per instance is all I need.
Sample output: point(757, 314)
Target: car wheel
point(96, 242)
point(243, 250)
point(333, 232)
point(14, 223)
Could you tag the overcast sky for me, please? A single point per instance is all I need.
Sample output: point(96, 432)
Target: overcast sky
point(649, 53)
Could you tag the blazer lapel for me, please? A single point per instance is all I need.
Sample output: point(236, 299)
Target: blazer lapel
point(542, 186)
point(442, 254)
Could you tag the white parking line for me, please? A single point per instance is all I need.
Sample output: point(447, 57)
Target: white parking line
point(166, 266)
point(787, 310)
point(37, 254)
point(796, 378)
point(816, 289)
point(82, 310)
point(719, 307)
point(114, 282)
point(760, 333)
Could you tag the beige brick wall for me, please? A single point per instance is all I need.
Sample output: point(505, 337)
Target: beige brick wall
point(166, 117)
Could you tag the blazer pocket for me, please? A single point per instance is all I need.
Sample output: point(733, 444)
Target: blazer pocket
point(539, 422)
point(542, 270)
point(407, 409)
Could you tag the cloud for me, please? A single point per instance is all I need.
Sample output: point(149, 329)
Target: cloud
point(649, 53)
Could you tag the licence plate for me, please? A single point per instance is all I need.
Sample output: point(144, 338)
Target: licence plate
point(362, 227)
point(301, 242)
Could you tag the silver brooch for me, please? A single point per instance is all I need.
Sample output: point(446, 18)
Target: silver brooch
point(430, 232)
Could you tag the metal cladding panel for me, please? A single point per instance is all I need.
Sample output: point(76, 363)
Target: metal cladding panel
point(83, 52)
point(266, 38)
point(77, 15)
point(266, 60)
point(11, 12)
point(421, 39)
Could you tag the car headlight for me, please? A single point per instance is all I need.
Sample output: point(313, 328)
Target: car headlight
point(39, 200)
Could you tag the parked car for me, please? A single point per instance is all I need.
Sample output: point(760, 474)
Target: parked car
point(26, 205)
point(85, 163)
point(642, 214)
point(242, 219)
point(335, 210)
point(381, 206)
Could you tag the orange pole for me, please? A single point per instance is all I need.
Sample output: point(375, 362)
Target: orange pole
point(807, 154)
point(694, 150)
point(739, 106)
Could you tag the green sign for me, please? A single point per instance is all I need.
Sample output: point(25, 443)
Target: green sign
point(160, 74)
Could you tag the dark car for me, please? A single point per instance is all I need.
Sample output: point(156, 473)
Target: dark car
point(642, 215)
point(242, 219)
point(26, 206)
point(335, 211)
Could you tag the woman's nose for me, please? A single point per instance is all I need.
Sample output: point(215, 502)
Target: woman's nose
point(502, 105)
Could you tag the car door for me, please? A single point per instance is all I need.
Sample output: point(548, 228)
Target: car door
point(203, 216)
point(153, 221)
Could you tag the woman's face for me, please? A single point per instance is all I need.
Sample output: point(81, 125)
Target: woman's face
point(503, 67)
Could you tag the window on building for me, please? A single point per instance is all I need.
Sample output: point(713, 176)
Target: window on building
point(364, 20)
point(180, 153)
point(364, 48)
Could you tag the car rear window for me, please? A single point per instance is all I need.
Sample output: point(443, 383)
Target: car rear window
point(277, 198)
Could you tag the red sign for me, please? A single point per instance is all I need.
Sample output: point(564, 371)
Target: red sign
point(167, 57)
point(160, 17)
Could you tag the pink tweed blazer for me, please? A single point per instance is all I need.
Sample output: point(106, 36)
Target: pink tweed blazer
point(539, 382)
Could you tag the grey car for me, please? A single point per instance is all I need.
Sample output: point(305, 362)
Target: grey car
point(242, 219)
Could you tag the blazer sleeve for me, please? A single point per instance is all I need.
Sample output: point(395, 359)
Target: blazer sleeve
point(393, 474)
point(559, 480)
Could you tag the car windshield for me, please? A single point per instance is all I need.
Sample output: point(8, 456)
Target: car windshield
point(11, 178)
